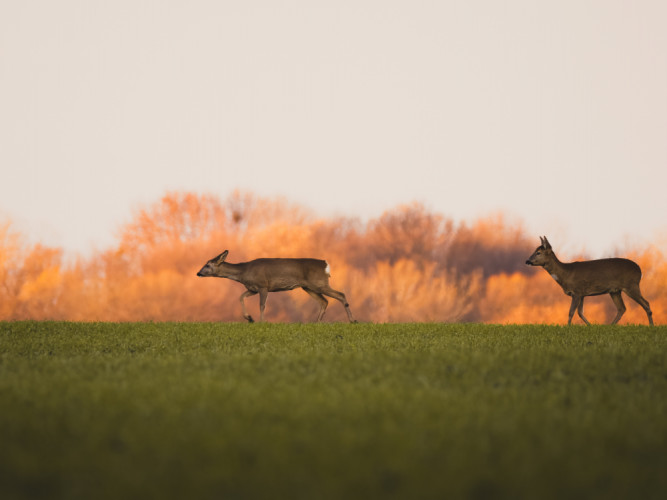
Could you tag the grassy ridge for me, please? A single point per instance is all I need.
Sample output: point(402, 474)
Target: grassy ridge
point(331, 411)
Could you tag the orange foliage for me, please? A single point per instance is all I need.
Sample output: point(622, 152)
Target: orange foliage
point(407, 265)
point(32, 278)
point(407, 291)
point(491, 245)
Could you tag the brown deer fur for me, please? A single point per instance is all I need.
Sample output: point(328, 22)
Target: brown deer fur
point(592, 277)
point(276, 275)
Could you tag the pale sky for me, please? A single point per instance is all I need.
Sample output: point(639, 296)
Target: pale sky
point(552, 112)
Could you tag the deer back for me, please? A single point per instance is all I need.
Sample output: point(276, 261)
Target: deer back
point(594, 277)
point(285, 274)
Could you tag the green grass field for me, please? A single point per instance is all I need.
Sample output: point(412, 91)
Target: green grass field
point(329, 411)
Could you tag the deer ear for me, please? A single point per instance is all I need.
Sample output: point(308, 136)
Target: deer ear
point(547, 245)
point(221, 258)
point(541, 241)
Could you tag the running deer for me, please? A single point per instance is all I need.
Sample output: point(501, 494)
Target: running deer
point(277, 275)
point(592, 277)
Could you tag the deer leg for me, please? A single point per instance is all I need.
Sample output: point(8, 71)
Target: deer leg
point(620, 306)
point(573, 307)
point(247, 316)
point(339, 296)
point(580, 311)
point(636, 295)
point(321, 300)
point(263, 294)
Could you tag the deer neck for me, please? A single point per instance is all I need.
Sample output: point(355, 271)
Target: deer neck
point(556, 269)
point(232, 271)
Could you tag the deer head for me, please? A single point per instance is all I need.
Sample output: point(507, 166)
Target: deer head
point(542, 254)
point(212, 267)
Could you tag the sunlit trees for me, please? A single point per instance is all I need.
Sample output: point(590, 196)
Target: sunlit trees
point(31, 278)
point(408, 232)
point(406, 292)
point(489, 244)
point(409, 264)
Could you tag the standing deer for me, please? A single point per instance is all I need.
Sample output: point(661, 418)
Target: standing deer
point(592, 277)
point(277, 275)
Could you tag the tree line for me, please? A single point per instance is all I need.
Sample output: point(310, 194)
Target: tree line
point(409, 264)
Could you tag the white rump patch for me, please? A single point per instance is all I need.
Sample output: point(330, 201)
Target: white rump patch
point(327, 269)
